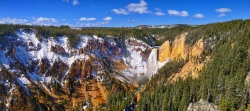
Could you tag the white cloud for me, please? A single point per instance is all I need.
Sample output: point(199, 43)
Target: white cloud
point(87, 19)
point(120, 11)
point(173, 12)
point(107, 18)
point(158, 9)
point(131, 21)
point(36, 21)
point(223, 10)
point(140, 8)
point(177, 13)
point(222, 15)
point(75, 2)
point(42, 19)
point(13, 21)
point(199, 15)
point(159, 13)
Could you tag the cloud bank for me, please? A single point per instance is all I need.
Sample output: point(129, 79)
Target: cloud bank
point(87, 19)
point(199, 15)
point(140, 8)
point(178, 13)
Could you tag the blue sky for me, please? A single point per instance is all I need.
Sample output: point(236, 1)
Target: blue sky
point(119, 13)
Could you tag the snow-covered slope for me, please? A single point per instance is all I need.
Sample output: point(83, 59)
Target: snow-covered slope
point(134, 59)
point(44, 63)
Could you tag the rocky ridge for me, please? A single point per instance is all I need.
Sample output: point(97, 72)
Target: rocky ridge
point(202, 105)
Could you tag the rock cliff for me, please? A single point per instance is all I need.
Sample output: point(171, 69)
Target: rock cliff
point(202, 105)
point(247, 81)
point(173, 49)
point(178, 49)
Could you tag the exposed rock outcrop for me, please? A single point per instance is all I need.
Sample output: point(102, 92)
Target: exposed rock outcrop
point(164, 51)
point(119, 65)
point(191, 68)
point(58, 50)
point(178, 49)
point(247, 81)
point(172, 50)
point(202, 105)
point(43, 66)
point(31, 44)
point(81, 51)
point(80, 69)
point(197, 48)
point(57, 69)
point(19, 101)
point(145, 54)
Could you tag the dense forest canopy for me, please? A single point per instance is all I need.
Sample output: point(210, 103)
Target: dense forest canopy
point(73, 35)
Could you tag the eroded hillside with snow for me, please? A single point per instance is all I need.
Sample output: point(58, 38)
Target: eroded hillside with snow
point(51, 62)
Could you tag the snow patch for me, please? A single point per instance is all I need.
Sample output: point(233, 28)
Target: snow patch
point(28, 37)
point(24, 80)
point(20, 82)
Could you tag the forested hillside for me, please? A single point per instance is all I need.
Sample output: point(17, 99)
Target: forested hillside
point(222, 79)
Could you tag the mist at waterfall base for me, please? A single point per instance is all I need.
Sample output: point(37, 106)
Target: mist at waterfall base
point(152, 67)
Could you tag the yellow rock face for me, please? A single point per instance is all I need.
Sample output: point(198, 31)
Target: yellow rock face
point(191, 68)
point(197, 48)
point(180, 50)
point(164, 51)
point(178, 47)
point(177, 50)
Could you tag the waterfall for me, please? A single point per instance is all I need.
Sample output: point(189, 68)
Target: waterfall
point(152, 62)
point(152, 58)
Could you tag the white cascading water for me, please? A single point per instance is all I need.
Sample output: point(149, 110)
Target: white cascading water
point(152, 62)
